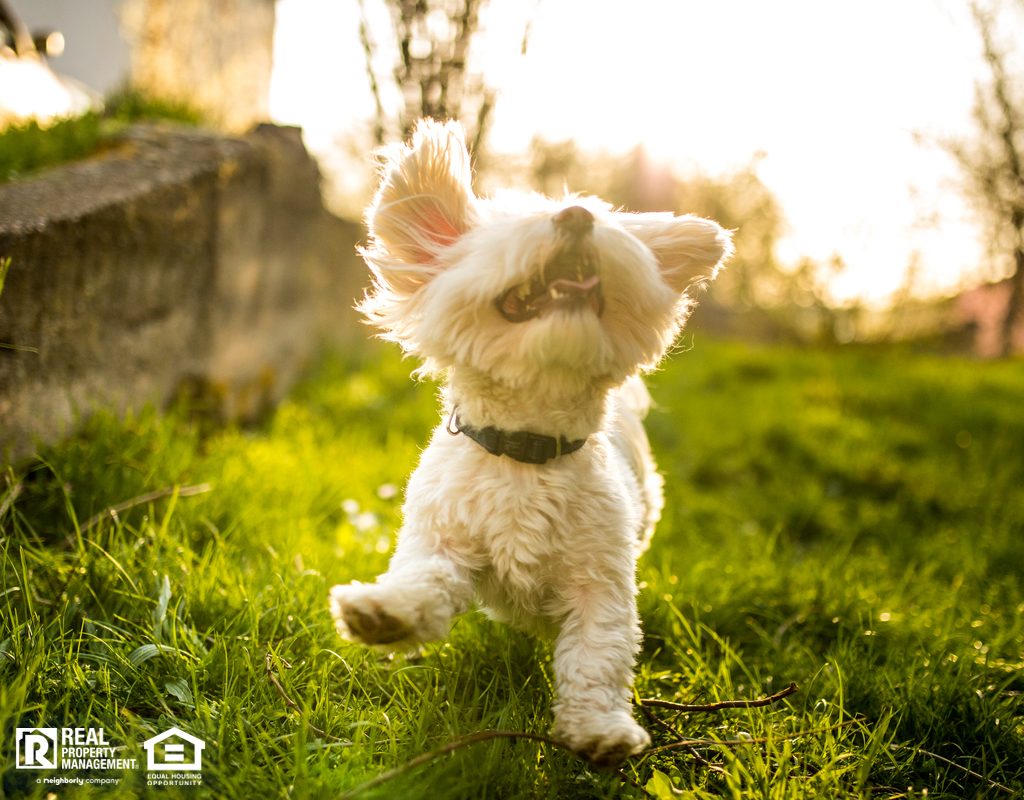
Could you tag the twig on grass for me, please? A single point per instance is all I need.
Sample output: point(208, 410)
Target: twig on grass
point(276, 683)
point(112, 512)
point(659, 722)
point(142, 499)
point(708, 708)
point(484, 736)
point(689, 743)
point(944, 760)
point(634, 783)
point(10, 496)
point(703, 762)
point(272, 677)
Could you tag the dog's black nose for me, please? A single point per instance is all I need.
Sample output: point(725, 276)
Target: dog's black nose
point(574, 220)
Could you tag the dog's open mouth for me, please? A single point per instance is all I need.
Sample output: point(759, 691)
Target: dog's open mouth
point(569, 280)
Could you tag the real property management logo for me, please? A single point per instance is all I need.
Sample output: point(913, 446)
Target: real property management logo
point(67, 748)
point(172, 757)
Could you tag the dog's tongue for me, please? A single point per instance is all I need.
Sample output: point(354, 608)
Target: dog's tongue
point(566, 292)
point(559, 293)
point(573, 288)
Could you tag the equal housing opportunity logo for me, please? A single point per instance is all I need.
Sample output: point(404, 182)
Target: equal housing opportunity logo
point(173, 757)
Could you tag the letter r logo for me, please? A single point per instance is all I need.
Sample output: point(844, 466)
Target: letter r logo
point(36, 748)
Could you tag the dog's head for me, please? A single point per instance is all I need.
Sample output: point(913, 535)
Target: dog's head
point(523, 287)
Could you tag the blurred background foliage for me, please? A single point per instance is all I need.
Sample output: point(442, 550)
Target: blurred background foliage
point(425, 58)
point(758, 295)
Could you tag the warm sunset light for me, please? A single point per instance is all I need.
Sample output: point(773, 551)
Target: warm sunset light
point(833, 101)
point(34, 91)
point(435, 399)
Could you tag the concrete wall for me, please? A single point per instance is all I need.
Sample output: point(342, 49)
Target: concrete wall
point(180, 261)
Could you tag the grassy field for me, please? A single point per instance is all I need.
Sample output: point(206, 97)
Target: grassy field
point(849, 520)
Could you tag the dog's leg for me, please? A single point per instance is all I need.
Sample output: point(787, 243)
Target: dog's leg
point(414, 601)
point(594, 658)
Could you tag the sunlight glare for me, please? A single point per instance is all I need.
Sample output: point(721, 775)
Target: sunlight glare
point(833, 99)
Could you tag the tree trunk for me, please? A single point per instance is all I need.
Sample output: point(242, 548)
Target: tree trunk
point(1012, 317)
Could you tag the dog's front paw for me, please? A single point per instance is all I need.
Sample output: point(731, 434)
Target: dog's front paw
point(361, 617)
point(605, 740)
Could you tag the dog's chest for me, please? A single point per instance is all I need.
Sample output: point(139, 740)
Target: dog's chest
point(527, 532)
point(512, 519)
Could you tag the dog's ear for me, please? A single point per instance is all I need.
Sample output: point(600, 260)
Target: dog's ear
point(689, 249)
point(423, 205)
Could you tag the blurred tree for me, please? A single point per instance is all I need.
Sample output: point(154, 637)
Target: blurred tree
point(992, 162)
point(639, 183)
point(741, 202)
point(554, 166)
point(433, 39)
point(214, 57)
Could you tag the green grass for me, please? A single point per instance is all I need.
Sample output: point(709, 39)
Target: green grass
point(850, 520)
point(27, 148)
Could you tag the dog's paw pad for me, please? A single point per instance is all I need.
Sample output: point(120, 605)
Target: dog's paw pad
point(361, 618)
point(611, 752)
point(374, 625)
point(609, 745)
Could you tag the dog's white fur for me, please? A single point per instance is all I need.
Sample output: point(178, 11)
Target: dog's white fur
point(549, 548)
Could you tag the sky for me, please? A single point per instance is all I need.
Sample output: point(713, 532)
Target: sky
point(837, 101)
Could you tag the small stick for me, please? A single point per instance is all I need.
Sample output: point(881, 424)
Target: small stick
point(945, 760)
point(484, 736)
point(656, 720)
point(712, 707)
point(10, 497)
point(705, 763)
point(272, 677)
point(142, 499)
point(687, 743)
point(622, 774)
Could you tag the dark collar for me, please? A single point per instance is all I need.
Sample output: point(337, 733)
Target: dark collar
point(523, 446)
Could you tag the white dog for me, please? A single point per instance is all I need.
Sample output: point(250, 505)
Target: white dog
point(538, 489)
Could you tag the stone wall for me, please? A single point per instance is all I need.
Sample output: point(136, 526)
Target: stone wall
point(181, 260)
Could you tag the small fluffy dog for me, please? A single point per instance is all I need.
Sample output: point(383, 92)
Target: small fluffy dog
point(538, 490)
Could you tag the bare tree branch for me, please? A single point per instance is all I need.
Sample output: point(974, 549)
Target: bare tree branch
point(993, 165)
point(722, 704)
point(368, 51)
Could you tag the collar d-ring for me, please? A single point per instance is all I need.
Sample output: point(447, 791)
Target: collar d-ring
point(452, 426)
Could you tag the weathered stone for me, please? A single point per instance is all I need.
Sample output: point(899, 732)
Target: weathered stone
point(179, 258)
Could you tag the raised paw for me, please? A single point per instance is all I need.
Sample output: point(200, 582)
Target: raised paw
point(360, 616)
point(605, 740)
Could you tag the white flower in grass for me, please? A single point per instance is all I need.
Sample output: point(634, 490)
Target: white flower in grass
point(387, 491)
